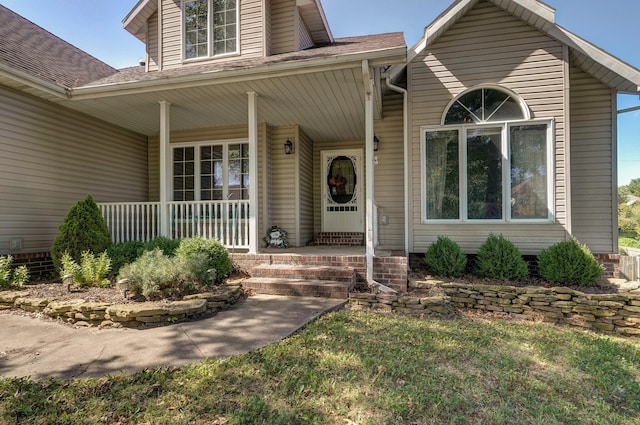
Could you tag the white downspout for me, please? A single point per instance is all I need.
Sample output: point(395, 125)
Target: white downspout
point(370, 189)
point(405, 125)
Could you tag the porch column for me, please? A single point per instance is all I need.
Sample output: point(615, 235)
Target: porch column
point(369, 164)
point(165, 168)
point(253, 172)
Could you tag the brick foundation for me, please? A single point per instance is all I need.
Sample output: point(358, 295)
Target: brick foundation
point(40, 264)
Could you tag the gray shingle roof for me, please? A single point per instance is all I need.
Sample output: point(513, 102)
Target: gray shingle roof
point(31, 49)
point(341, 46)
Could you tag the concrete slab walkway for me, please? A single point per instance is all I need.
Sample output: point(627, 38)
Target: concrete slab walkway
point(41, 349)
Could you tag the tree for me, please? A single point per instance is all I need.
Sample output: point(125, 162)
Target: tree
point(83, 230)
point(634, 187)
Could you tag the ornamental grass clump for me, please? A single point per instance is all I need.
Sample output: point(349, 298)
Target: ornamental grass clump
point(499, 258)
point(570, 263)
point(445, 258)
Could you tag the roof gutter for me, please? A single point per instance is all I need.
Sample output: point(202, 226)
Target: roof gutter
point(34, 82)
point(283, 69)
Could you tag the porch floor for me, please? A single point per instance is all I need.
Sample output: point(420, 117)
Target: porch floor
point(326, 251)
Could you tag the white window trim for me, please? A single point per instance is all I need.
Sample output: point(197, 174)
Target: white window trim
point(196, 157)
point(506, 171)
point(523, 105)
point(210, 52)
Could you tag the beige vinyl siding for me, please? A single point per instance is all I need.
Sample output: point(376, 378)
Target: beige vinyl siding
point(171, 33)
point(389, 173)
point(304, 37)
point(52, 157)
point(487, 46)
point(251, 33)
point(283, 26)
point(319, 176)
point(152, 43)
point(305, 188)
point(267, 27)
point(251, 28)
point(592, 151)
point(284, 182)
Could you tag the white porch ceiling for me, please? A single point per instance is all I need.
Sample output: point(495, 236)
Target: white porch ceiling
point(328, 105)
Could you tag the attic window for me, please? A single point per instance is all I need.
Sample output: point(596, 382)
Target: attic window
point(485, 105)
point(210, 28)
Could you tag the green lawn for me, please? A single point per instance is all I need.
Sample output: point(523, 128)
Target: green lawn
point(362, 368)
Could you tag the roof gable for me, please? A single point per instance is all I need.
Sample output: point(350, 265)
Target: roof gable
point(591, 59)
point(310, 10)
point(27, 48)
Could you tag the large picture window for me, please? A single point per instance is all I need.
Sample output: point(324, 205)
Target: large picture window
point(211, 172)
point(488, 161)
point(210, 28)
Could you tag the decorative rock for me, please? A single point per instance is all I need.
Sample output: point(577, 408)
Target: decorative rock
point(9, 297)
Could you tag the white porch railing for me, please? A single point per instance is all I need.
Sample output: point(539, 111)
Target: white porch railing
point(226, 221)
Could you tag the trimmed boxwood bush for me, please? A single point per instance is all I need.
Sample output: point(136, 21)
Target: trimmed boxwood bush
point(124, 253)
point(83, 229)
point(445, 258)
point(166, 245)
point(499, 258)
point(217, 255)
point(569, 263)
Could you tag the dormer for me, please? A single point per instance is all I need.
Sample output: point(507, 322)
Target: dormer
point(184, 32)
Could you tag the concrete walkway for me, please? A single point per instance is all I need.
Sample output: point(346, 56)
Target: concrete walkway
point(41, 349)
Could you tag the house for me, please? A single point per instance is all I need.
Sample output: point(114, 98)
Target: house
point(248, 114)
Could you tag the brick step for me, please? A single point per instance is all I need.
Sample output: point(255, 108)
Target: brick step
point(305, 272)
point(339, 239)
point(298, 287)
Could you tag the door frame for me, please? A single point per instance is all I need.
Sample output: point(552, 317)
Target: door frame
point(353, 219)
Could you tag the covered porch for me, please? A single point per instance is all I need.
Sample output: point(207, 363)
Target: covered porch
point(217, 162)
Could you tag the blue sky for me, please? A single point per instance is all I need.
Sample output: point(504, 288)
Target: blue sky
point(96, 27)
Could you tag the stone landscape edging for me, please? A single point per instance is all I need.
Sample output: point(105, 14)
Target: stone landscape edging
point(138, 315)
point(615, 312)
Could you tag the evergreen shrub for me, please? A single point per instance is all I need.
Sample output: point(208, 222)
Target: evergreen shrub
point(218, 261)
point(124, 253)
point(445, 258)
point(570, 263)
point(83, 229)
point(499, 258)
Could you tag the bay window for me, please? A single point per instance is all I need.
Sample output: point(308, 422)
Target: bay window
point(488, 161)
point(210, 27)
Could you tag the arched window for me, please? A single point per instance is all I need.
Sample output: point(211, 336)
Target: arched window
point(485, 105)
point(488, 161)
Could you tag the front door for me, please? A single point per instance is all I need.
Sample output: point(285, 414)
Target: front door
point(342, 191)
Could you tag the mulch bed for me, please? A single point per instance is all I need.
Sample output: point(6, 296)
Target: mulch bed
point(603, 287)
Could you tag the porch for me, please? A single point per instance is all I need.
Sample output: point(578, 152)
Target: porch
point(330, 271)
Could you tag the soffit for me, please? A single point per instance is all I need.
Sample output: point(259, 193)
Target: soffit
point(136, 21)
point(327, 105)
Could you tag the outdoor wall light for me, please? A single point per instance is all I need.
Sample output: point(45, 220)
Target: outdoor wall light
point(376, 143)
point(288, 147)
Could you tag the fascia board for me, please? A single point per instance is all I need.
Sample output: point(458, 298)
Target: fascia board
point(376, 58)
point(143, 6)
point(33, 82)
point(618, 66)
